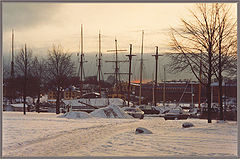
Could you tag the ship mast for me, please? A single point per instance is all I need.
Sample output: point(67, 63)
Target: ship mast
point(117, 68)
point(156, 69)
point(116, 63)
point(129, 75)
point(99, 63)
point(81, 70)
point(141, 69)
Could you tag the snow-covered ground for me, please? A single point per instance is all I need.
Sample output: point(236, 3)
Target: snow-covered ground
point(45, 134)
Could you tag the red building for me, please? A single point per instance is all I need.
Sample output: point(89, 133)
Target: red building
point(184, 92)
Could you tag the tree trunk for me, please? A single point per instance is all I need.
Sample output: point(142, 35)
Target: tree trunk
point(38, 103)
point(220, 92)
point(209, 102)
point(24, 101)
point(220, 97)
point(209, 85)
point(58, 101)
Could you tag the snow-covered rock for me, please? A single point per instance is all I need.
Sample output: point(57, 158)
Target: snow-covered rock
point(141, 130)
point(75, 115)
point(187, 125)
point(111, 111)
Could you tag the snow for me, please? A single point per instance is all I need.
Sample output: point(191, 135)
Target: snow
point(111, 111)
point(45, 134)
point(51, 100)
point(44, 98)
point(75, 115)
point(94, 101)
point(19, 105)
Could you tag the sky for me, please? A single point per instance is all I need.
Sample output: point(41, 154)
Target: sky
point(42, 25)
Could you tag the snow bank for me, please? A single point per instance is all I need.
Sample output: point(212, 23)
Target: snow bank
point(111, 111)
point(75, 115)
point(141, 130)
point(221, 121)
point(99, 102)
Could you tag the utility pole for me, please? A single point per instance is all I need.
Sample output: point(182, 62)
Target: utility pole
point(12, 91)
point(153, 99)
point(164, 86)
point(141, 69)
point(12, 63)
point(25, 80)
point(117, 68)
point(155, 86)
point(192, 95)
point(129, 75)
point(81, 63)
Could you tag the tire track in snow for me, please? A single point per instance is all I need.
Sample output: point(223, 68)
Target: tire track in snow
point(65, 142)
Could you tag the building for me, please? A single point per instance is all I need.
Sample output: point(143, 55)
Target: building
point(183, 91)
point(68, 93)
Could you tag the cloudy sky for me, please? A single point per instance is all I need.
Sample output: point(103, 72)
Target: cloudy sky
point(40, 25)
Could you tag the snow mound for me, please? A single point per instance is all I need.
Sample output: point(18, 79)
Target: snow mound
point(221, 121)
point(111, 111)
point(187, 125)
point(141, 130)
point(75, 115)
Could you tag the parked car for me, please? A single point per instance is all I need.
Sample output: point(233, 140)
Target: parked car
point(134, 112)
point(149, 109)
point(176, 114)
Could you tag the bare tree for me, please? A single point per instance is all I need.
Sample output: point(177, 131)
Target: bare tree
point(23, 64)
point(39, 69)
point(226, 50)
point(6, 69)
point(197, 42)
point(60, 68)
point(8, 83)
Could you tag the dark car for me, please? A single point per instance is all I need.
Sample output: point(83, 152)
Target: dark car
point(176, 114)
point(149, 109)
